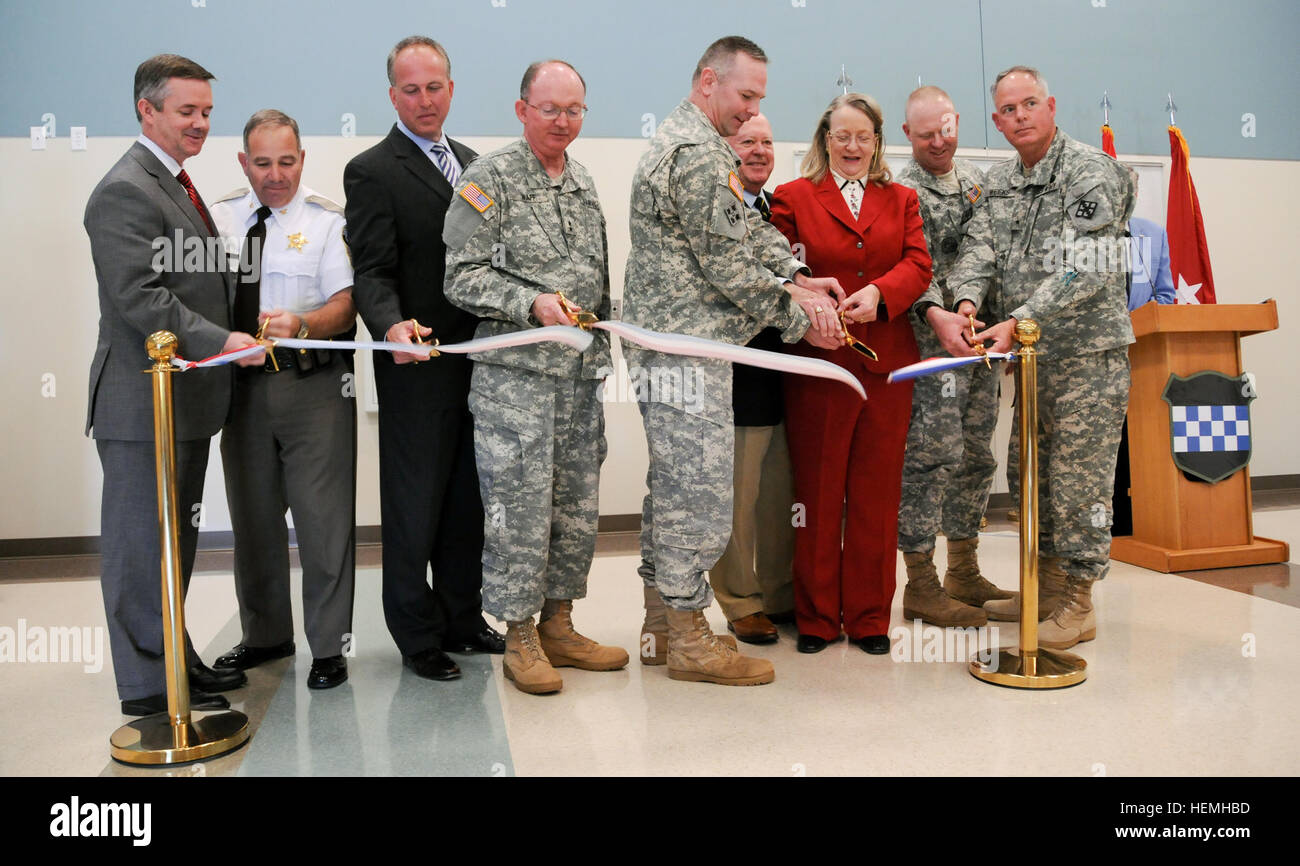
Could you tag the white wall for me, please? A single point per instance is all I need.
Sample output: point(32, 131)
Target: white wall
point(50, 472)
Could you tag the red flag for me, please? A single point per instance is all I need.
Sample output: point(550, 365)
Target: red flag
point(1108, 141)
point(1189, 254)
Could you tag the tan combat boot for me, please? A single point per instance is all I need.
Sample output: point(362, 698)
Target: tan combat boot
point(654, 631)
point(1073, 620)
point(925, 600)
point(695, 654)
point(1051, 588)
point(524, 663)
point(565, 648)
point(963, 580)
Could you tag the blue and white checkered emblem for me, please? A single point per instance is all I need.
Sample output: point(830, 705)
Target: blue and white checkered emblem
point(1209, 423)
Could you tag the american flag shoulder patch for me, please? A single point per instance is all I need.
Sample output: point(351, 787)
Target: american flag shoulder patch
point(973, 194)
point(734, 183)
point(476, 197)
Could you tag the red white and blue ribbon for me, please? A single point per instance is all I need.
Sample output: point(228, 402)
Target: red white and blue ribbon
point(937, 365)
point(698, 347)
point(574, 337)
point(672, 344)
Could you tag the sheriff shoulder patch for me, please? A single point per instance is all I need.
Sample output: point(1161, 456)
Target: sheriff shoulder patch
point(476, 197)
point(734, 183)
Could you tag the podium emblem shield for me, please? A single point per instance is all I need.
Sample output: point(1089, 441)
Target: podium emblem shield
point(1209, 415)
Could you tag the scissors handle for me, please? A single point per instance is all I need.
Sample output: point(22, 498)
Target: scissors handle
point(577, 315)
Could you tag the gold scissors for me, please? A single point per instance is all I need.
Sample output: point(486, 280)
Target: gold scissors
point(854, 343)
point(415, 337)
point(267, 344)
point(580, 317)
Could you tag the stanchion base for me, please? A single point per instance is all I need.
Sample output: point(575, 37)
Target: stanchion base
point(1046, 669)
point(150, 740)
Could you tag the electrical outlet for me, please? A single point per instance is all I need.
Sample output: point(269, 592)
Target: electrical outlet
point(38, 138)
point(77, 135)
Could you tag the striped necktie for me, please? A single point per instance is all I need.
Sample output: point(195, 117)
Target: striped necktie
point(442, 156)
point(193, 193)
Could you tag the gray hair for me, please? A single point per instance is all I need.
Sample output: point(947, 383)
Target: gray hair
point(271, 117)
point(1027, 70)
point(412, 41)
point(535, 67)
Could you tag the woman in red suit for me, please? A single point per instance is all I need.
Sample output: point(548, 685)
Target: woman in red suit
point(856, 225)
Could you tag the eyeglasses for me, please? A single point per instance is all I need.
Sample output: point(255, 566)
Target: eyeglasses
point(550, 112)
point(865, 140)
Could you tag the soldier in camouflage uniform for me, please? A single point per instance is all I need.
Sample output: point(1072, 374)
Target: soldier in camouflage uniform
point(524, 225)
point(704, 264)
point(949, 463)
point(1048, 239)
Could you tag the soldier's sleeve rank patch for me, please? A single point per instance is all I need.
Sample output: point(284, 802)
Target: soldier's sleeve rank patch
point(476, 197)
point(1086, 209)
point(973, 194)
point(734, 183)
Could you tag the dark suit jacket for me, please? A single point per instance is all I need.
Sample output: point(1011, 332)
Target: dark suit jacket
point(396, 201)
point(756, 398)
point(885, 245)
point(136, 214)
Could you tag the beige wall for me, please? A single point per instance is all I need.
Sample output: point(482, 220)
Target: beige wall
point(50, 472)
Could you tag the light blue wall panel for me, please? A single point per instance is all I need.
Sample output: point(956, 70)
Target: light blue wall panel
point(323, 60)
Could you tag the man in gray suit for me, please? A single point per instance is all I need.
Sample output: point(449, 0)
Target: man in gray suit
point(159, 266)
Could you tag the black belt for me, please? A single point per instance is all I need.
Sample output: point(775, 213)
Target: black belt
point(305, 361)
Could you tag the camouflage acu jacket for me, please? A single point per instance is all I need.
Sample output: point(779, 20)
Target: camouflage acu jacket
point(946, 216)
point(514, 232)
point(702, 263)
point(1051, 244)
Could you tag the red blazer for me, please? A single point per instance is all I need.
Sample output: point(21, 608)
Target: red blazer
point(885, 246)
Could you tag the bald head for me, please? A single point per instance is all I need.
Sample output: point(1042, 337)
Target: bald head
point(931, 127)
point(753, 144)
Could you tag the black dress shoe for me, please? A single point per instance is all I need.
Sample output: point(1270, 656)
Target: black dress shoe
point(485, 640)
point(810, 643)
point(876, 644)
point(432, 664)
point(205, 679)
point(242, 657)
point(199, 700)
point(327, 673)
point(783, 618)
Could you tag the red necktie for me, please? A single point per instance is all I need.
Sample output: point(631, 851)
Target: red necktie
point(198, 202)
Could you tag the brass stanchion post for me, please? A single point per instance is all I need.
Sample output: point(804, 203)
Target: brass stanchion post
point(177, 735)
point(1028, 666)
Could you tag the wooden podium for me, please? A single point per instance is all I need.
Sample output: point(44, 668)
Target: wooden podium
point(1178, 524)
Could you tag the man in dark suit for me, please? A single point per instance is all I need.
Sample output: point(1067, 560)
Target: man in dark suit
point(159, 266)
point(397, 196)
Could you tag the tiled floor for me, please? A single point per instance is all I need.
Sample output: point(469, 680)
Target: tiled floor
point(1187, 677)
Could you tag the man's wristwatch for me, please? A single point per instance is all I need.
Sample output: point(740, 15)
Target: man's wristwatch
point(303, 330)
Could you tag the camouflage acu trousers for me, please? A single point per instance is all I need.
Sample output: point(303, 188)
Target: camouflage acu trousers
point(686, 517)
point(1081, 406)
point(539, 441)
point(949, 464)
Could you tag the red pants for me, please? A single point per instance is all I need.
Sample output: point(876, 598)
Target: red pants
point(847, 457)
